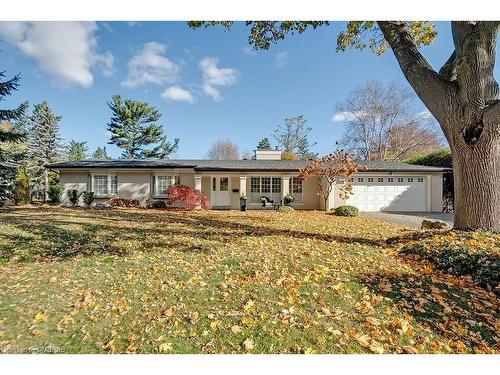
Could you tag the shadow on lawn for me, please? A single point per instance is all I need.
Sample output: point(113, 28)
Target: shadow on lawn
point(63, 234)
point(451, 307)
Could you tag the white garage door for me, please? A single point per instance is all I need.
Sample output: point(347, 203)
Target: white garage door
point(407, 193)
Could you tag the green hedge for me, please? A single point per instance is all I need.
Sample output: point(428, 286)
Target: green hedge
point(285, 209)
point(346, 211)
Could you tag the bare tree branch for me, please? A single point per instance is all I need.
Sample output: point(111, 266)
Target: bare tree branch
point(431, 88)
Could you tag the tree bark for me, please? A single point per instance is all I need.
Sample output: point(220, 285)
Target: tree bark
point(463, 97)
point(476, 174)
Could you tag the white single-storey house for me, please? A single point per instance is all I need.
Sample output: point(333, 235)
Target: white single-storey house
point(378, 185)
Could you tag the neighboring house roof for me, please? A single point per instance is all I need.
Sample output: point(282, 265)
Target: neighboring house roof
point(236, 165)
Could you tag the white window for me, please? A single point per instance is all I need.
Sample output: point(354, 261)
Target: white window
point(400, 179)
point(224, 184)
point(296, 189)
point(101, 185)
point(265, 186)
point(104, 185)
point(255, 189)
point(370, 179)
point(380, 179)
point(410, 179)
point(350, 180)
point(420, 179)
point(390, 179)
point(161, 183)
point(360, 179)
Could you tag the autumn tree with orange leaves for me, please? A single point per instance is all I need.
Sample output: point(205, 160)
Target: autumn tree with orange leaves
point(332, 170)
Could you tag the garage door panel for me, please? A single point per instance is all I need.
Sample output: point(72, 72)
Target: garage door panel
point(402, 194)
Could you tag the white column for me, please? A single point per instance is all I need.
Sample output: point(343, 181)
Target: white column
point(285, 185)
point(197, 186)
point(197, 183)
point(243, 186)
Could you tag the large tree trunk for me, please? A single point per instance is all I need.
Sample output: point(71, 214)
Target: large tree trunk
point(464, 98)
point(476, 173)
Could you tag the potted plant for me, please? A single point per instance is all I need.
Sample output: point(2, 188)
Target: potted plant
point(243, 202)
point(288, 199)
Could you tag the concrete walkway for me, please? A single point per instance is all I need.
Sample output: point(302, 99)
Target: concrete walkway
point(411, 219)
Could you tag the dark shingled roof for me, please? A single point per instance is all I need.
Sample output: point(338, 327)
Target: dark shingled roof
point(235, 165)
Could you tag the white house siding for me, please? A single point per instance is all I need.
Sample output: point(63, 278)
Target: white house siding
point(72, 181)
point(135, 184)
point(436, 192)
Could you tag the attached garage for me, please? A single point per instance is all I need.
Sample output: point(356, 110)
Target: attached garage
point(382, 193)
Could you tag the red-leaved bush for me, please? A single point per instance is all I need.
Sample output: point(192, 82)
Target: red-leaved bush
point(185, 197)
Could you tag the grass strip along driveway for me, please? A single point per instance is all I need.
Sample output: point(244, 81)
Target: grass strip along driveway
point(148, 281)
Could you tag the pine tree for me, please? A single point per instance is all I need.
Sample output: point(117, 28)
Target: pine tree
point(133, 127)
point(12, 147)
point(101, 154)
point(76, 151)
point(44, 146)
point(264, 144)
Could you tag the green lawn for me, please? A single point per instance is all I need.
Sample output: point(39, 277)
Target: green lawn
point(146, 281)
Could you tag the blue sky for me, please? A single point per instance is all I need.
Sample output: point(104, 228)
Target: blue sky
point(206, 82)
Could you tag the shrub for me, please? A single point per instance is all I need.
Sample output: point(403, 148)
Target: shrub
point(55, 192)
point(285, 209)
point(123, 202)
point(74, 196)
point(88, 198)
point(474, 254)
point(289, 198)
point(346, 211)
point(185, 197)
point(21, 187)
point(156, 204)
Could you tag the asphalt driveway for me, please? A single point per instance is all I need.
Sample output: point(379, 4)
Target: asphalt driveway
point(411, 219)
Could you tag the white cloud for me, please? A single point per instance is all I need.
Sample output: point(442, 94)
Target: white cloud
point(177, 93)
point(280, 60)
point(150, 65)
point(214, 76)
point(249, 51)
point(67, 51)
point(342, 116)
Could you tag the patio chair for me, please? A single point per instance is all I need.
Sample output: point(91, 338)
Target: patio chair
point(266, 203)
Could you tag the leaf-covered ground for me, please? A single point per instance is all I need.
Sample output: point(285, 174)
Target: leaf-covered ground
point(144, 281)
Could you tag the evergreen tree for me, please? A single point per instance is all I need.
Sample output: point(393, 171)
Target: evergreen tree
point(76, 151)
point(101, 154)
point(12, 147)
point(264, 144)
point(133, 127)
point(44, 146)
point(21, 193)
point(292, 136)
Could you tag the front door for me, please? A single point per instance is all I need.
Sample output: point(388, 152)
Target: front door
point(220, 191)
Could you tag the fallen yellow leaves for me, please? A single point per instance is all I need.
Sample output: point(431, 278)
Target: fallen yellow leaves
point(369, 343)
point(41, 317)
point(248, 344)
point(138, 281)
point(165, 347)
